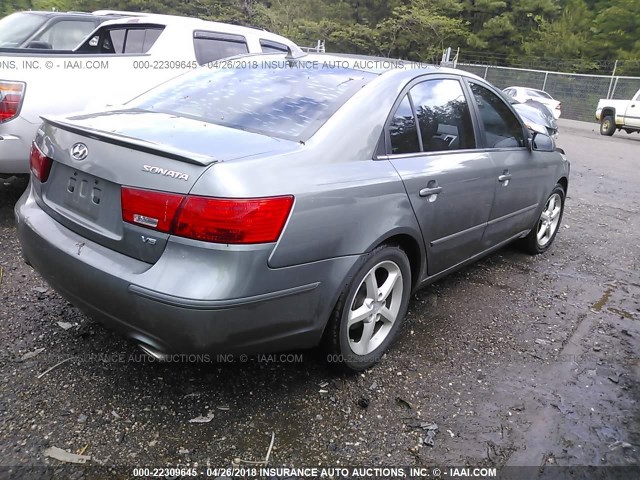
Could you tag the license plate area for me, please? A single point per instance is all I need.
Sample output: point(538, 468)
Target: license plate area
point(84, 201)
point(83, 194)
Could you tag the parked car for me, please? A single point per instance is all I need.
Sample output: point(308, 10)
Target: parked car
point(619, 115)
point(537, 117)
point(274, 207)
point(48, 30)
point(119, 60)
point(524, 93)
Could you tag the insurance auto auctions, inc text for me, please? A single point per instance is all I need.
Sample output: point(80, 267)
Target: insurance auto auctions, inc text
point(355, 472)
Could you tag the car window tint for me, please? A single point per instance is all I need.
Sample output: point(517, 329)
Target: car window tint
point(214, 46)
point(66, 34)
point(502, 128)
point(269, 46)
point(285, 103)
point(141, 40)
point(402, 129)
point(443, 115)
point(114, 41)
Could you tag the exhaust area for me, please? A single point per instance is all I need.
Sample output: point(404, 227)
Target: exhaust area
point(152, 352)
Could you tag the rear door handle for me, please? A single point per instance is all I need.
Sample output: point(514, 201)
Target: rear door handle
point(504, 177)
point(426, 192)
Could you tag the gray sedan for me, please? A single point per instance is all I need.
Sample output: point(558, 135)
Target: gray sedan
point(275, 203)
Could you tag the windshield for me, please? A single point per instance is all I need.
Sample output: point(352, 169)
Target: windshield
point(17, 27)
point(290, 103)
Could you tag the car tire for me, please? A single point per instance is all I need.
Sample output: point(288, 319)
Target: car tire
point(356, 342)
point(547, 225)
point(607, 126)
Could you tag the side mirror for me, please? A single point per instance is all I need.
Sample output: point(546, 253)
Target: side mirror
point(541, 142)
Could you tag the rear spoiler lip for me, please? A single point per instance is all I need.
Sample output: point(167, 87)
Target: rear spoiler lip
point(134, 143)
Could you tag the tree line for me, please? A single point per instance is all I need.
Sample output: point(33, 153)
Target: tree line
point(571, 35)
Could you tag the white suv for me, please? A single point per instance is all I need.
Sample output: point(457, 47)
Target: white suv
point(116, 62)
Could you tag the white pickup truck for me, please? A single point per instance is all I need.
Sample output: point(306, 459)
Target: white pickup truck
point(116, 62)
point(619, 115)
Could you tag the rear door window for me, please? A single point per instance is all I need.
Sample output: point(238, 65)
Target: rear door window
point(443, 115)
point(211, 46)
point(501, 126)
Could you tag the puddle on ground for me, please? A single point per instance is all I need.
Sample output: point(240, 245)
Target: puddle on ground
point(622, 313)
point(603, 300)
point(606, 297)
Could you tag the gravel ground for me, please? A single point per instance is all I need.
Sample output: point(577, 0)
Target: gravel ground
point(519, 360)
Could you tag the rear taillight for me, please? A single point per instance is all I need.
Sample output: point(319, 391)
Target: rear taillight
point(149, 208)
point(218, 220)
point(40, 163)
point(11, 95)
point(224, 220)
point(559, 106)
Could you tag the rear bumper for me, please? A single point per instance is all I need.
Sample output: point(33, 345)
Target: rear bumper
point(15, 143)
point(279, 309)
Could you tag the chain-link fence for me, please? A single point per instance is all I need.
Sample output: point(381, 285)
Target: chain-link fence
point(579, 93)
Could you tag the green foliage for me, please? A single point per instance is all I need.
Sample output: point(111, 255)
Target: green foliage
point(571, 35)
point(10, 6)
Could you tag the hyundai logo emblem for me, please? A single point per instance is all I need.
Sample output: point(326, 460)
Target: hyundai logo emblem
point(79, 151)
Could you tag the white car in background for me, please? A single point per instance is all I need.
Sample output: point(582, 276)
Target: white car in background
point(524, 94)
point(116, 62)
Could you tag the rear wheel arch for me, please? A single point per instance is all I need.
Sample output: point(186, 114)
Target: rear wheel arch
point(608, 111)
point(347, 327)
point(411, 246)
point(564, 181)
point(408, 243)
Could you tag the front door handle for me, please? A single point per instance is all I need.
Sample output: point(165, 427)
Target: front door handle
point(505, 177)
point(426, 192)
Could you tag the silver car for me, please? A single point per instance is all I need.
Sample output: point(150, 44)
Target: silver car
point(283, 202)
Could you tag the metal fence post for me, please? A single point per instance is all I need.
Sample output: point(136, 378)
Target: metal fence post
point(544, 84)
point(486, 69)
point(613, 90)
point(613, 74)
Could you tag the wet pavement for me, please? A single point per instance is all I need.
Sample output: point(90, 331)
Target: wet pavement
point(518, 360)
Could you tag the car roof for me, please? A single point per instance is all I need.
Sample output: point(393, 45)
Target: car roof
point(44, 13)
point(188, 23)
point(364, 63)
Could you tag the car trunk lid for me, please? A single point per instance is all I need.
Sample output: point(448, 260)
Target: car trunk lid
point(93, 162)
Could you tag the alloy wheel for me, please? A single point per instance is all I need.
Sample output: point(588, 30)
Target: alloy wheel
point(549, 220)
point(375, 307)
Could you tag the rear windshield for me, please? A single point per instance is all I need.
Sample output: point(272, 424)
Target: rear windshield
point(16, 28)
point(285, 102)
point(539, 93)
